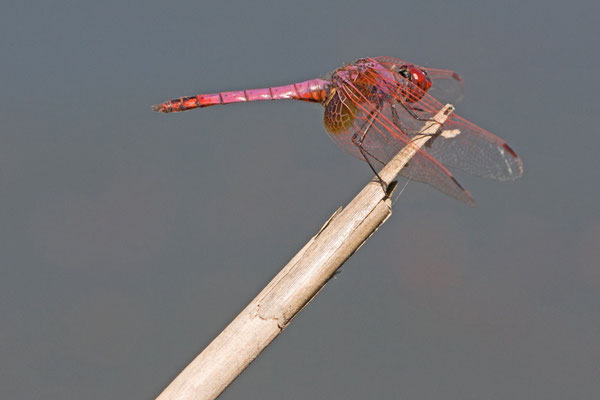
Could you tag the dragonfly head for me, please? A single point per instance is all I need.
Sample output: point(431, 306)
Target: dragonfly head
point(417, 76)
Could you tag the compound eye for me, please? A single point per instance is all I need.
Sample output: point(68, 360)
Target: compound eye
point(404, 71)
point(420, 78)
point(417, 75)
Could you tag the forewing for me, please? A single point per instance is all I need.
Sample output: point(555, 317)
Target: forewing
point(466, 146)
point(461, 144)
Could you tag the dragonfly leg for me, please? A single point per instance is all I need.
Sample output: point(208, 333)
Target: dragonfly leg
point(358, 139)
point(396, 121)
point(365, 153)
point(411, 110)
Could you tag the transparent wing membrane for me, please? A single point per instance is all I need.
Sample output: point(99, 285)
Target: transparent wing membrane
point(373, 104)
point(383, 139)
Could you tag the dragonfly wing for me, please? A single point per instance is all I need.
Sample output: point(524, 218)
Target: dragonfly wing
point(461, 144)
point(423, 168)
point(383, 140)
point(470, 148)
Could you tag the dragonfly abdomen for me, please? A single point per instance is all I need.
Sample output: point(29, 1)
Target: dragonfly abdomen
point(314, 90)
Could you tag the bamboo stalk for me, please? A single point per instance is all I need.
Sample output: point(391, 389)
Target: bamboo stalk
point(295, 285)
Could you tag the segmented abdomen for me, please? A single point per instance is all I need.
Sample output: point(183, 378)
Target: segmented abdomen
point(314, 90)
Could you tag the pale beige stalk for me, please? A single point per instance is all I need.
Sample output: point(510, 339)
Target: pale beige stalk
point(295, 285)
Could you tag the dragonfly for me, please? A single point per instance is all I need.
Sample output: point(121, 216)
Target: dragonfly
point(375, 106)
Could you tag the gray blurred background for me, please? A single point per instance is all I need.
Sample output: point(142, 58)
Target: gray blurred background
point(129, 239)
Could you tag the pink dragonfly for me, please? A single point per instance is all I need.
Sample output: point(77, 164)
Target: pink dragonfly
point(374, 106)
